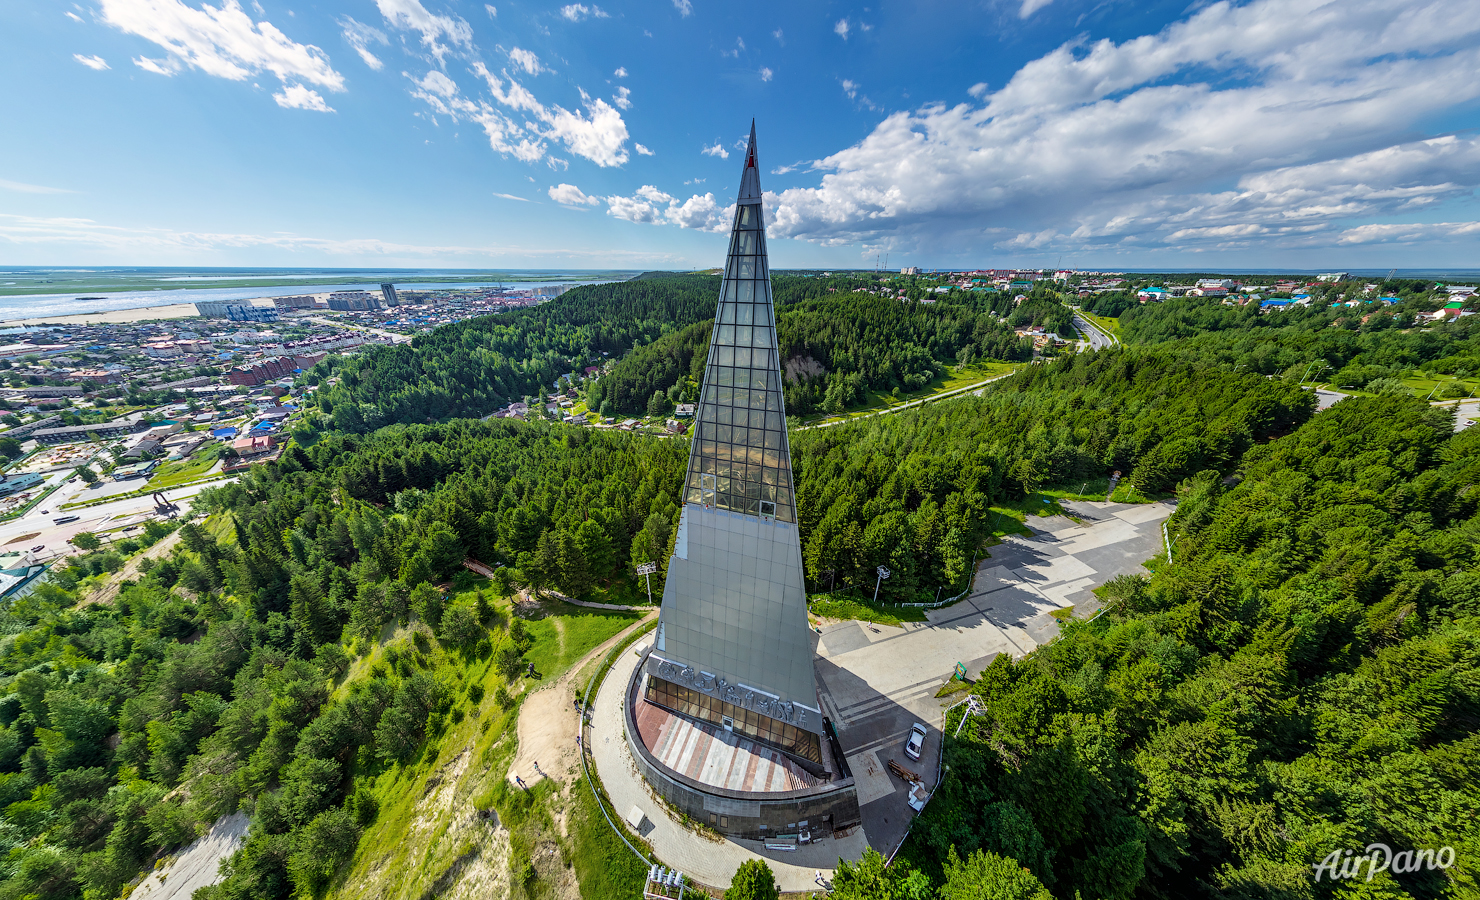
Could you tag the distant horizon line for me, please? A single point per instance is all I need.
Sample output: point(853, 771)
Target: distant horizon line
point(1140, 270)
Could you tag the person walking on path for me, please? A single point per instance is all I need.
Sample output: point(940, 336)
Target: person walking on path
point(537, 769)
point(520, 781)
point(819, 880)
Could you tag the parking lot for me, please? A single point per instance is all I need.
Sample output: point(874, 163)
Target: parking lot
point(878, 680)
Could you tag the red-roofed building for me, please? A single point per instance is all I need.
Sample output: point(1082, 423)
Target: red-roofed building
point(252, 446)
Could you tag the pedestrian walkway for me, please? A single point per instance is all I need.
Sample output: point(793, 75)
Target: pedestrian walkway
point(709, 861)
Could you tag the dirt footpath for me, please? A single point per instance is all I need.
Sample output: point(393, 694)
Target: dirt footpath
point(548, 723)
point(105, 591)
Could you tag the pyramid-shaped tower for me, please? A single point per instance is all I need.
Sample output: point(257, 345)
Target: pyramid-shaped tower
point(733, 646)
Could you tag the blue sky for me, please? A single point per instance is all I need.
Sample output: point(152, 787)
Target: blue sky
point(1103, 133)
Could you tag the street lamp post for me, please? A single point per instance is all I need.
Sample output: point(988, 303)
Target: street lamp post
point(883, 573)
point(647, 570)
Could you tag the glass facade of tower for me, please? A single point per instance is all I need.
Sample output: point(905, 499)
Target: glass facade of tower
point(733, 646)
point(740, 460)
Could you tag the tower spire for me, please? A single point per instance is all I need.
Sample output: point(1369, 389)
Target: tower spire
point(734, 604)
point(750, 175)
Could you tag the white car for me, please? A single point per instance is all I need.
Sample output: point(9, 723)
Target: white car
point(913, 746)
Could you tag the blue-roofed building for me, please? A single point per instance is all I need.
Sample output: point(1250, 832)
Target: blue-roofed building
point(1274, 304)
point(222, 434)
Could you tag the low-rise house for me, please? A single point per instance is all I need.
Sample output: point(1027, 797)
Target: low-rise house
point(254, 445)
point(145, 449)
point(137, 470)
point(14, 484)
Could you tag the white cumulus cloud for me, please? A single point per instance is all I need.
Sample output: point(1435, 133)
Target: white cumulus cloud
point(766, 74)
point(717, 150)
point(570, 195)
point(157, 66)
point(527, 61)
point(492, 14)
point(650, 206)
point(1306, 109)
point(360, 37)
point(575, 12)
point(296, 96)
point(411, 15)
point(598, 133)
point(621, 72)
point(841, 29)
point(92, 62)
point(641, 150)
point(620, 98)
point(684, 7)
point(221, 41)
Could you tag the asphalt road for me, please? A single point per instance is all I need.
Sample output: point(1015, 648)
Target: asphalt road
point(117, 514)
point(395, 338)
point(976, 388)
point(1098, 338)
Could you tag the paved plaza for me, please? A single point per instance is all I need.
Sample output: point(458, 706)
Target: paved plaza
point(696, 854)
point(877, 680)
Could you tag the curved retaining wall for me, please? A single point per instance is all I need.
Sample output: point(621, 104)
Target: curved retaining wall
point(743, 814)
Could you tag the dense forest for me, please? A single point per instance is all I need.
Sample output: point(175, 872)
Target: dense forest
point(1301, 680)
point(1350, 347)
point(911, 491)
point(473, 367)
point(835, 349)
point(215, 668)
point(839, 342)
point(211, 669)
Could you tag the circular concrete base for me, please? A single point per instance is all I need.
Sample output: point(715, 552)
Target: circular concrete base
point(700, 855)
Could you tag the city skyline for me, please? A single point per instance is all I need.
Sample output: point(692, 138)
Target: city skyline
point(394, 133)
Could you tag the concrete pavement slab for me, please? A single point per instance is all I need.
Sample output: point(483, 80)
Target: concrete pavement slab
point(1141, 514)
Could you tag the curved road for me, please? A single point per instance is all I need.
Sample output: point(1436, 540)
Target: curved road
point(975, 387)
point(1099, 339)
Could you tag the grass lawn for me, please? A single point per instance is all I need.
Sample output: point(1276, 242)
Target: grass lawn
point(954, 686)
point(562, 639)
point(172, 474)
point(628, 590)
point(1125, 492)
point(1425, 385)
point(604, 866)
point(1107, 323)
point(838, 607)
point(955, 378)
